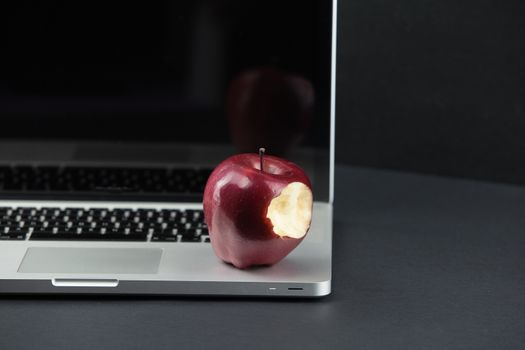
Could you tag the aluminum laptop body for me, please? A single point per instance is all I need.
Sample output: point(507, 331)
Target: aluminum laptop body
point(102, 124)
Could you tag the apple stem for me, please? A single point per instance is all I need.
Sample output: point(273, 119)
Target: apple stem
point(261, 156)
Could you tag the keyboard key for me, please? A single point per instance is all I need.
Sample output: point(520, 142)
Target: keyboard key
point(190, 239)
point(64, 236)
point(164, 239)
point(14, 235)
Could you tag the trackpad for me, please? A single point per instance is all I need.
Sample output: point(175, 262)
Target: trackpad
point(91, 260)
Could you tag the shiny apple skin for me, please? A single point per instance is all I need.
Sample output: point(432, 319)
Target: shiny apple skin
point(236, 199)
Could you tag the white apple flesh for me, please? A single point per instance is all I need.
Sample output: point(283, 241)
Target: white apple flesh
point(291, 211)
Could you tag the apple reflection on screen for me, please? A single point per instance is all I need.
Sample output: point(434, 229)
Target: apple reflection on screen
point(270, 108)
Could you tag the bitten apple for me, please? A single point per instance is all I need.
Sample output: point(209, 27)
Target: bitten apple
point(258, 209)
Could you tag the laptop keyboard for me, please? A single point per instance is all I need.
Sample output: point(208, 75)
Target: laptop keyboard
point(102, 180)
point(99, 224)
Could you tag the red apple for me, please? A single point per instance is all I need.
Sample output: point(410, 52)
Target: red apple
point(257, 215)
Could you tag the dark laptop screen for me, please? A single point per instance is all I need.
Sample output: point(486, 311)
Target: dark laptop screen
point(233, 73)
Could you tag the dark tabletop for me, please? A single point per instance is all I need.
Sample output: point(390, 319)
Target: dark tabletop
point(419, 263)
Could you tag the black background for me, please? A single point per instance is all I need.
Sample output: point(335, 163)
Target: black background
point(433, 86)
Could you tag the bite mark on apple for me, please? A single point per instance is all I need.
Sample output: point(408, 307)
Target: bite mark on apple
point(291, 211)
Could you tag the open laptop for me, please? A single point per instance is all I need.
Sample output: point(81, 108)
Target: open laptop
point(112, 118)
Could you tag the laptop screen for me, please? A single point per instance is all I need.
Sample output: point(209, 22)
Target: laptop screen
point(230, 74)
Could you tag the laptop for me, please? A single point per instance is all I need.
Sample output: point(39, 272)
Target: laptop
point(112, 119)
